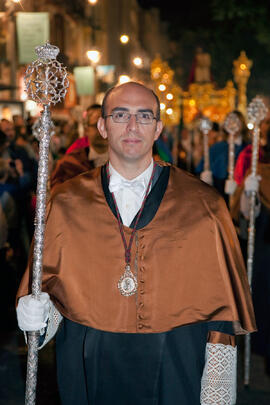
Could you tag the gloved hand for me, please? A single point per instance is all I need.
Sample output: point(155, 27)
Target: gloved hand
point(230, 186)
point(207, 177)
point(33, 313)
point(252, 183)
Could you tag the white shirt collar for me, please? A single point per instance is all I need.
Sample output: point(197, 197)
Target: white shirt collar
point(146, 174)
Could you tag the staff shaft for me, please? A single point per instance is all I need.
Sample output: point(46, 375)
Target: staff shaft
point(33, 337)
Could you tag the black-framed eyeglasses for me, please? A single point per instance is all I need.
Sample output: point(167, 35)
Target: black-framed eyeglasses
point(122, 117)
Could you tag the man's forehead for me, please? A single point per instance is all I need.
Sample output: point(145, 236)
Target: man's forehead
point(132, 96)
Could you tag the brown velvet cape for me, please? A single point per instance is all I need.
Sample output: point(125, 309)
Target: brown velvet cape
point(189, 263)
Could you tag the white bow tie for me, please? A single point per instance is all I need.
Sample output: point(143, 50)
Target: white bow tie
point(137, 186)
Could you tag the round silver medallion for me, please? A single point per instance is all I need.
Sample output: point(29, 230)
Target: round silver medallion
point(127, 284)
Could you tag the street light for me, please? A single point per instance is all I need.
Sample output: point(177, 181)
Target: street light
point(241, 72)
point(94, 56)
point(137, 61)
point(124, 38)
point(123, 79)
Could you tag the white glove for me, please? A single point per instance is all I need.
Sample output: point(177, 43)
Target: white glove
point(207, 177)
point(33, 313)
point(252, 183)
point(245, 206)
point(230, 186)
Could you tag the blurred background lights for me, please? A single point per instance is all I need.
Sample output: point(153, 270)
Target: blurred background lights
point(250, 125)
point(138, 61)
point(162, 106)
point(169, 111)
point(162, 87)
point(93, 55)
point(169, 96)
point(124, 38)
point(123, 79)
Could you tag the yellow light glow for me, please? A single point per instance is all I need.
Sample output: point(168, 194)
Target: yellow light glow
point(123, 79)
point(16, 1)
point(169, 96)
point(137, 61)
point(93, 55)
point(92, 2)
point(243, 66)
point(169, 111)
point(162, 106)
point(162, 87)
point(165, 76)
point(250, 125)
point(192, 103)
point(124, 38)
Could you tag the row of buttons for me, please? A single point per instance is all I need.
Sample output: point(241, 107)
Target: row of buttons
point(140, 315)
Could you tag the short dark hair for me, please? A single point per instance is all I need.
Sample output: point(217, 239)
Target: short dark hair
point(108, 92)
point(93, 107)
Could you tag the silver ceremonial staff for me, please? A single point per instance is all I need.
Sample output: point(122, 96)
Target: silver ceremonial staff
point(46, 83)
point(256, 113)
point(205, 126)
point(232, 125)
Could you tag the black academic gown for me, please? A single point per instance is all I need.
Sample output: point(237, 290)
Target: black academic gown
point(96, 367)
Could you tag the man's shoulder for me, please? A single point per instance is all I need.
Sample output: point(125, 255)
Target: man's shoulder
point(77, 185)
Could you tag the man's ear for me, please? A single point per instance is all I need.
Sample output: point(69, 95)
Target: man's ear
point(159, 129)
point(102, 128)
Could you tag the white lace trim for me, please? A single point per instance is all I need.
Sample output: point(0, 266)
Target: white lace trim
point(218, 385)
point(54, 320)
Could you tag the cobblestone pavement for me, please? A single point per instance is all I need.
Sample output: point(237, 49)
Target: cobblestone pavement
point(13, 368)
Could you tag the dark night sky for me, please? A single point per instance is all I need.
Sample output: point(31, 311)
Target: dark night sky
point(223, 29)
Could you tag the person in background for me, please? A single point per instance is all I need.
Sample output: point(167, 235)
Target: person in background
point(142, 266)
point(80, 159)
point(90, 128)
point(243, 162)
point(218, 157)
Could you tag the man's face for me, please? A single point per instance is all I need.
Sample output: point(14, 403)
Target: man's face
point(8, 128)
point(130, 141)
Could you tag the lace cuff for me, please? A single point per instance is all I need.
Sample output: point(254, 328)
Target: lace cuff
point(54, 321)
point(218, 385)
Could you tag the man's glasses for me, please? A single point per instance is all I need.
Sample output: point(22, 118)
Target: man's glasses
point(122, 117)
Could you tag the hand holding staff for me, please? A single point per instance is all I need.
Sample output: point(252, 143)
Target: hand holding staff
point(232, 125)
point(46, 83)
point(256, 113)
point(205, 126)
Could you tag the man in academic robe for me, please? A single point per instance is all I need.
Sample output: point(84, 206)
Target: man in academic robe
point(146, 275)
point(84, 154)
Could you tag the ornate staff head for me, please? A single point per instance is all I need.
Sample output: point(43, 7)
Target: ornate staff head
point(205, 125)
point(256, 111)
point(46, 79)
point(232, 123)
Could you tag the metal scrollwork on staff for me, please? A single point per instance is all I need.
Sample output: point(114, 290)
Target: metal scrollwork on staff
point(205, 126)
point(46, 83)
point(232, 125)
point(256, 113)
